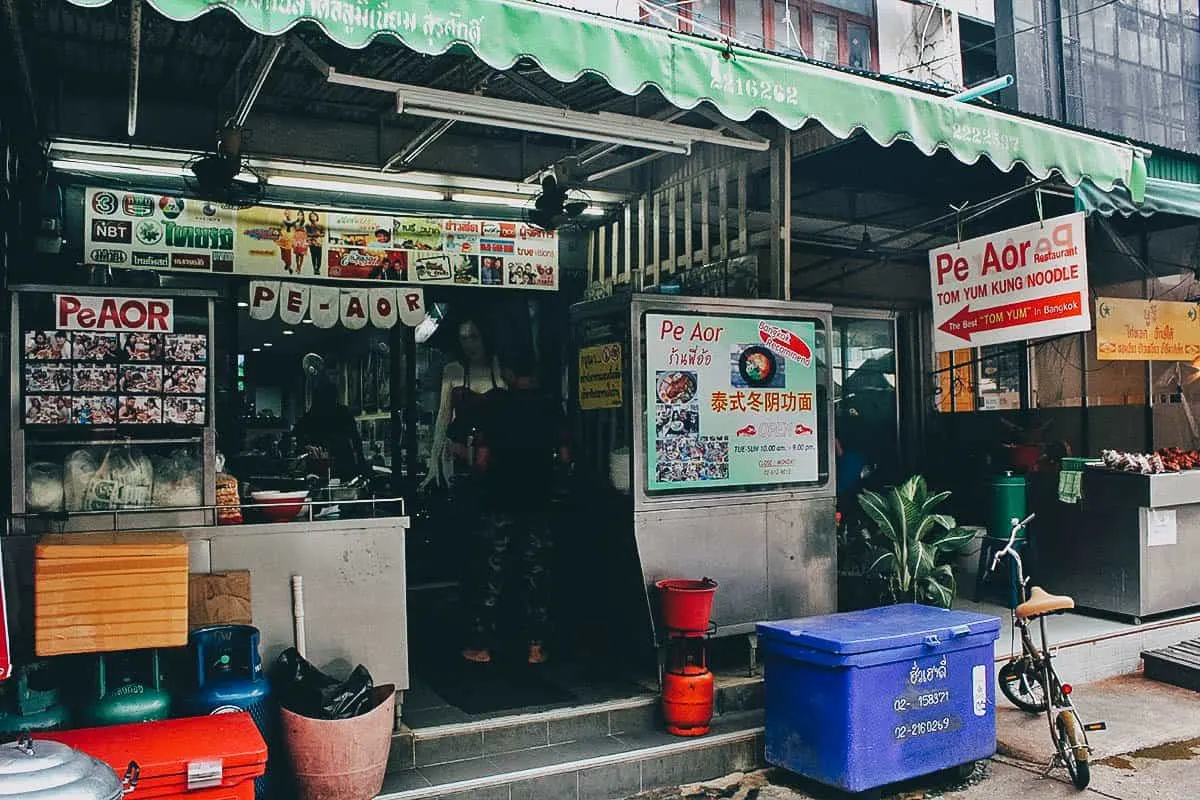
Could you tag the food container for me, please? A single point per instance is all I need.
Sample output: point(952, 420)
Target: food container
point(50, 770)
point(216, 757)
point(280, 506)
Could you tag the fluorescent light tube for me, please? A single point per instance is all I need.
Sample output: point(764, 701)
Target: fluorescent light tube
point(537, 127)
point(374, 189)
point(490, 200)
point(73, 165)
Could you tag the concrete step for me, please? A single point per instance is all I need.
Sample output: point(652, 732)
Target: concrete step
point(606, 767)
point(419, 747)
point(1178, 665)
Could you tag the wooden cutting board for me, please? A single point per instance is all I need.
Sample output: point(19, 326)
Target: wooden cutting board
point(101, 592)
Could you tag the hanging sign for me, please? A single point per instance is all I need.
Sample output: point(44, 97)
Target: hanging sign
point(730, 402)
point(1146, 330)
point(327, 305)
point(1023, 283)
point(142, 230)
point(600, 380)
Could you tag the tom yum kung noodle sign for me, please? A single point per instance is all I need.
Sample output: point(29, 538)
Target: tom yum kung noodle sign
point(1023, 283)
point(730, 402)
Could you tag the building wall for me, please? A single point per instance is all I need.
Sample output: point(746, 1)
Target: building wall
point(1126, 68)
point(919, 41)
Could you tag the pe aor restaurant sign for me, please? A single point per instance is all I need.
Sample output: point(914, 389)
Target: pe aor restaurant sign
point(1146, 330)
point(730, 402)
point(160, 232)
point(1022, 283)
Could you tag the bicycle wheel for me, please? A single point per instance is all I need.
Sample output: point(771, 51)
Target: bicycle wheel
point(1021, 683)
point(1068, 740)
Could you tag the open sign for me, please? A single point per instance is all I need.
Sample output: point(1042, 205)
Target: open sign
point(92, 313)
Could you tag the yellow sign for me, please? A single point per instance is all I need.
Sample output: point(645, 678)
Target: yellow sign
point(1146, 330)
point(600, 379)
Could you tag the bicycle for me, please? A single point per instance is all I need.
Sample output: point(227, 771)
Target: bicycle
point(1029, 679)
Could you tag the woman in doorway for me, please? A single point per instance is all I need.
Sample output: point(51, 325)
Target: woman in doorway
point(465, 381)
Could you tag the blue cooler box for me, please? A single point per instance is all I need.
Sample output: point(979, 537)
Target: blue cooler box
point(867, 698)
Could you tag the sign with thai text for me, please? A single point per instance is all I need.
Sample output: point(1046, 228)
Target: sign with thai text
point(1146, 330)
point(601, 382)
point(730, 402)
point(94, 313)
point(1023, 283)
point(129, 229)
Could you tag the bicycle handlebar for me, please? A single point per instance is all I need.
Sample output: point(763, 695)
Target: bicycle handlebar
point(1008, 547)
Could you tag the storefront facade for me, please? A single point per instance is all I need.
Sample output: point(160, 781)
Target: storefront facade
point(769, 212)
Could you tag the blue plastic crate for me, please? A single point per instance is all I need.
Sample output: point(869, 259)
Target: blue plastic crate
point(867, 698)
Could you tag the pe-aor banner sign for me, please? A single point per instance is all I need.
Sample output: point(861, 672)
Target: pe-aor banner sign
point(160, 232)
point(1023, 283)
point(730, 402)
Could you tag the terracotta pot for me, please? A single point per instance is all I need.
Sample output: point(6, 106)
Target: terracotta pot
point(341, 759)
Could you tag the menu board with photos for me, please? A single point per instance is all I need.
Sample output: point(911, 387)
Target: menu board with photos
point(98, 378)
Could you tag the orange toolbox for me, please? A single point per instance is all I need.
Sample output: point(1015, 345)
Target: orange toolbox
point(197, 758)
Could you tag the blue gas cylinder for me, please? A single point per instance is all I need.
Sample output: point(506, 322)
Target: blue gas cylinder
point(229, 678)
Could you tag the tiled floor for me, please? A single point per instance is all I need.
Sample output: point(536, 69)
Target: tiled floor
point(423, 707)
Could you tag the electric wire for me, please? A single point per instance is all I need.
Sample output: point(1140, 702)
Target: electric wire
point(997, 39)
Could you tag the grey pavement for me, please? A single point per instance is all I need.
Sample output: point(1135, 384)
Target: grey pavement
point(1151, 751)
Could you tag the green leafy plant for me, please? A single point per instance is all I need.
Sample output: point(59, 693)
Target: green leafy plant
point(912, 544)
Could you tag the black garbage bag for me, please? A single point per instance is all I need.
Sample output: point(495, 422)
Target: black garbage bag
point(303, 689)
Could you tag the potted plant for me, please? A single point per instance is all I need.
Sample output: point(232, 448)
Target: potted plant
point(912, 546)
point(857, 588)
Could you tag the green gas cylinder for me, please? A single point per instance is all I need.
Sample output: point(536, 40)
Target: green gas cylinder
point(30, 702)
point(125, 687)
point(1008, 503)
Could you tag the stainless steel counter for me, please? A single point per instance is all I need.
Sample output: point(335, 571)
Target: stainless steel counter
point(1130, 548)
point(354, 588)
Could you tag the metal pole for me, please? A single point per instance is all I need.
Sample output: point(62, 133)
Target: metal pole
point(260, 79)
point(135, 64)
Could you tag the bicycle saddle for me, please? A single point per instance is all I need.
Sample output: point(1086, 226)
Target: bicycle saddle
point(1041, 602)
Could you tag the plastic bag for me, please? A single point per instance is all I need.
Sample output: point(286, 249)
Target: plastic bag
point(303, 689)
point(177, 480)
point(43, 487)
point(124, 479)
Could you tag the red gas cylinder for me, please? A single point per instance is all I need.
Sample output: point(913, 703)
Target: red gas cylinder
point(688, 701)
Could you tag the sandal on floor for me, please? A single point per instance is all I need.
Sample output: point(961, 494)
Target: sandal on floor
point(477, 656)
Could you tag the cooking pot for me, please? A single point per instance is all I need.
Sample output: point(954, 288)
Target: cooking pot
point(44, 770)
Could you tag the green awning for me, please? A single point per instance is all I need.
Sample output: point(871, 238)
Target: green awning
point(688, 70)
point(1162, 197)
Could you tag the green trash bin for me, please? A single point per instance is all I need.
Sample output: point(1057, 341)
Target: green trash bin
point(1008, 503)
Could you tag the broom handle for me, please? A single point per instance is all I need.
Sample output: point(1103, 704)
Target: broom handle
point(298, 611)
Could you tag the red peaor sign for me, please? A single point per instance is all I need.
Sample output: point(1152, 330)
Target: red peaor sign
point(94, 313)
point(1024, 283)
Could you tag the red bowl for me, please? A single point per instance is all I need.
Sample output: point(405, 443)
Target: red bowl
point(280, 507)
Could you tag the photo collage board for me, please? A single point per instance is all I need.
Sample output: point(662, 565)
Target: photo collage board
point(87, 378)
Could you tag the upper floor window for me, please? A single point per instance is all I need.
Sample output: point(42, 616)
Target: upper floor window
point(834, 31)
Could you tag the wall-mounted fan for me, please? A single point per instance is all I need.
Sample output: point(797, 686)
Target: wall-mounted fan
point(552, 209)
point(223, 176)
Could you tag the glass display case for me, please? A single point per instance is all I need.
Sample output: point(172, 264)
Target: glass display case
point(110, 416)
